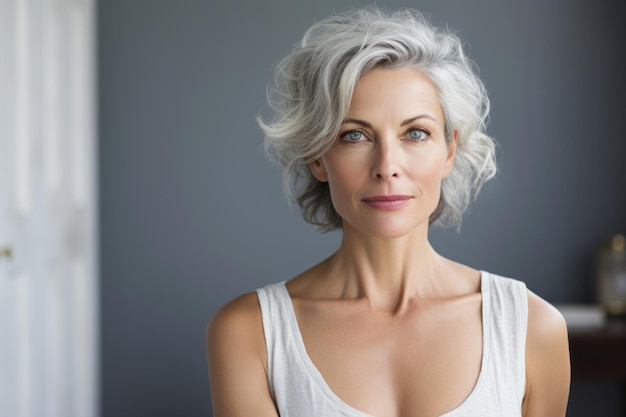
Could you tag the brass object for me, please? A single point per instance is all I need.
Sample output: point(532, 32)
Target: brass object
point(6, 252)
point(611, 276)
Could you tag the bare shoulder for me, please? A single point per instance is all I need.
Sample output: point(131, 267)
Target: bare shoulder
point(237, 360)
point(239, 322)
point(243, 310)
point(547, 360)
point(546, 325)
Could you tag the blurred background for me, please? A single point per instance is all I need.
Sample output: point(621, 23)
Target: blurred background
point(182, 211)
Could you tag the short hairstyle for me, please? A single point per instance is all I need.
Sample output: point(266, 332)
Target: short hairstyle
point(313, 87)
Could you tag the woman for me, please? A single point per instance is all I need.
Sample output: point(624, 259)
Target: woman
point(380, 122)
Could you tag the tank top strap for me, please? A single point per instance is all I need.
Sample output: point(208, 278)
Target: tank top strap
point(274, 310)
point(296, 386)
point(507, 322)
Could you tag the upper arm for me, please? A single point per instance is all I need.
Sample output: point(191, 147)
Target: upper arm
point(237, 361)
point(547, 361)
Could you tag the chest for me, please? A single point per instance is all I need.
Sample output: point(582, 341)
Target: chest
point(423, 363)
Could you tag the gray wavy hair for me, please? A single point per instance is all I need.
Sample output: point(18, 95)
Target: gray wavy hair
point(313, 86)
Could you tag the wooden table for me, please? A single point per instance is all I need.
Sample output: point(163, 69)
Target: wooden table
point(599, 353)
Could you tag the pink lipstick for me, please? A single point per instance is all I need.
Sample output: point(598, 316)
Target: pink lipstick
point(387, 202)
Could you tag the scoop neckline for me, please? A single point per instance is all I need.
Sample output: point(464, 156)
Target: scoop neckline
point(325, 389)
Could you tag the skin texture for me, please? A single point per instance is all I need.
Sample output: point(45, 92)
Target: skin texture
point(394, 328)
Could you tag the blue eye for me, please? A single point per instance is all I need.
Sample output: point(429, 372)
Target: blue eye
point(417, 134)
point(353, 136)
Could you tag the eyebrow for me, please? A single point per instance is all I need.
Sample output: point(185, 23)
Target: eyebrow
point(421, 116)
point(404, 122)
point(358, 122)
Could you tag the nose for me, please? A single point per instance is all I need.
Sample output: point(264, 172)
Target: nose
point(386, 164)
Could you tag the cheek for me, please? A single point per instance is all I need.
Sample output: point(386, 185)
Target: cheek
point(341, 179)
point(343, 171)
point(344, 182)
point(429, 171)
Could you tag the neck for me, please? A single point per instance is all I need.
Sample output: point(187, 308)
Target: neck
point(389, 273)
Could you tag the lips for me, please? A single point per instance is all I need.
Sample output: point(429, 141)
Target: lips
point(387, 202)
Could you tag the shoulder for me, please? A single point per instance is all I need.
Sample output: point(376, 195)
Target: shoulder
point(236, 331)
point(547, 360)
point(546, 325)
point(237, 360)
point(238, 321)
point(547, 331)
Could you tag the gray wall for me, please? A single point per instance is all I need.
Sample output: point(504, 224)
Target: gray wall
point(192, 214)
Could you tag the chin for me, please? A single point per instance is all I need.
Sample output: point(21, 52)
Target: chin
point(387, 230)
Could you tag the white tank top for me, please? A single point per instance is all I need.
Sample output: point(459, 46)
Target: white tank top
point(299, 390)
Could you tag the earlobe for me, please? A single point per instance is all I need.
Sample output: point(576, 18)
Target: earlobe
point(318, 170)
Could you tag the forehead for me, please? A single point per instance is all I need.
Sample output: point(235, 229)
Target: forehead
point(395, 92)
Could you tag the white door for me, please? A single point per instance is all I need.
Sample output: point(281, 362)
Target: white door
point(48, 275)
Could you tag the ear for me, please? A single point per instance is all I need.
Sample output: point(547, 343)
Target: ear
point(449, 163)
point(319, 170)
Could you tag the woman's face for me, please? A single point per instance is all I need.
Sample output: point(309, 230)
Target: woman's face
point(385, 168)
